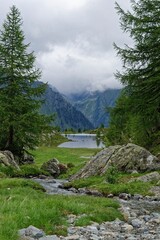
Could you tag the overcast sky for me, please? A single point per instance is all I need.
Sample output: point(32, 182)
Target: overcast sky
point(73, 40)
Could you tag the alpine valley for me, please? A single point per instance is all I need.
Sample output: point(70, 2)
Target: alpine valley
point(94, 105)
point(85, 110)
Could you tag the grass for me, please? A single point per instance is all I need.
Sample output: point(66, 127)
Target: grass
point(76, 157)
point(64, 155)
point(25, 171)
point(24, 203)
point(122, 185)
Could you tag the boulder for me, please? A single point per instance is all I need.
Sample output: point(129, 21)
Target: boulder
point(27, 159)
point(126, 158)
point(131, 158)
point(7, 159)
point(149, 177)
point(52, 167)
point(31, 233)
point(63, 168)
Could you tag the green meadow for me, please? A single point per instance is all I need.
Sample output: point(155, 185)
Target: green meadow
point(24, 202)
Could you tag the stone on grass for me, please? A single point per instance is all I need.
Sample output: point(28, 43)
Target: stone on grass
point(31, 232)
point(7, 159)
point(52, 167)
point(149, 177)
point(27, 159)
point(125, 158)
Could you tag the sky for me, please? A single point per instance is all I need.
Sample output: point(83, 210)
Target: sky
point(73, 41)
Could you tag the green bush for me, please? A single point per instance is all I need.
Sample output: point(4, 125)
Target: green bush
point(112, 175)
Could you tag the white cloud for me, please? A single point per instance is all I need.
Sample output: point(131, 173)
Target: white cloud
point(69, 68)
point(73, 40)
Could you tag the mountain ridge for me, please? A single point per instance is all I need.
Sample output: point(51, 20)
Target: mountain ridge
point(79, 111)
point(94, 104)
point(67, 116)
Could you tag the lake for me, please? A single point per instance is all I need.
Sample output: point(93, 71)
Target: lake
point(81, 141)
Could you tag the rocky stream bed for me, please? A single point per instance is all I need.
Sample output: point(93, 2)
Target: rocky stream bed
point(141, 214)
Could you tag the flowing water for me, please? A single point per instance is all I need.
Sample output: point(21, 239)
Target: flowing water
point(54, 186)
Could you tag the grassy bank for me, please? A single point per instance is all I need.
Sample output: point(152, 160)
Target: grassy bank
point(24, 203)
point(75, 157)
point(112, 182)
point(120, 186)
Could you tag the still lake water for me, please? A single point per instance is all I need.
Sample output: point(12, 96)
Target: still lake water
point(81, 141)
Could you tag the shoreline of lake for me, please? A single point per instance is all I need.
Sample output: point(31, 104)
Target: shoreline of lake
point(81, 140)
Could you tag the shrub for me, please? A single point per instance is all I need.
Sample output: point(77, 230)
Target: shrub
point(112, 175)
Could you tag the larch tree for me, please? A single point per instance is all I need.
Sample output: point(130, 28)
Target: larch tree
point(141, 66)
point(20, 121)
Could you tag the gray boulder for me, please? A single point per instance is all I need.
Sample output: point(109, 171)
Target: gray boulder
point(27, 159)
point(30, 233)
point(52, 167)
point(7, 159)
point(126, 158)
point(149, 177)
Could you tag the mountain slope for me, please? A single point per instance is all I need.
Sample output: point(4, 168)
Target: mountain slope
point(67, 116)
point(94, 104)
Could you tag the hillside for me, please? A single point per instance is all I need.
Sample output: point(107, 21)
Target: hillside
point(67, 116)
point(94, 104)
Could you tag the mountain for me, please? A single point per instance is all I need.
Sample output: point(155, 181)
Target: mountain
point(67, 116)
point(94, 105)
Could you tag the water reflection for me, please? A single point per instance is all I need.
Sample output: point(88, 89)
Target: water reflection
point(82, 141)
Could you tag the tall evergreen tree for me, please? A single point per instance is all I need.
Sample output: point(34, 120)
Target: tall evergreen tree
point(141, 62)
point(20, 121)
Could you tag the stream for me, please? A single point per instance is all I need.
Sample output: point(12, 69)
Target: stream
point(54, 186)
point(141, 219)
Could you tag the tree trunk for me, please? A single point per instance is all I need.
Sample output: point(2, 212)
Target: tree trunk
point(10, 138)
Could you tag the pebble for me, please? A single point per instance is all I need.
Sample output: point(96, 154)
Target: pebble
point(141, 222)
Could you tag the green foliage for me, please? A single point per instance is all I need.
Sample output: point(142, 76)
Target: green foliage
point(21, 123)
point(136, 116)
point(126, 125)
point(119, 115)
point(52, 139)
point(112, 175)
point(156, 143)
